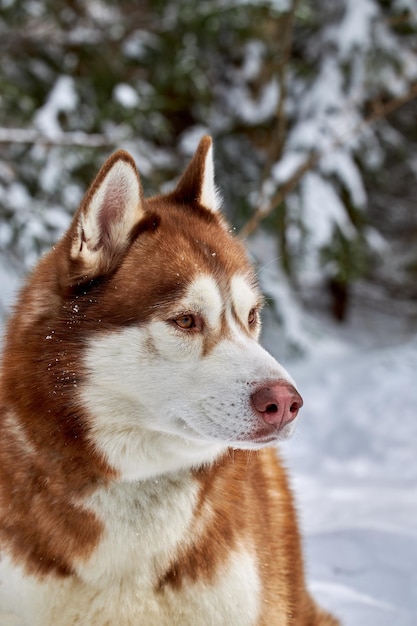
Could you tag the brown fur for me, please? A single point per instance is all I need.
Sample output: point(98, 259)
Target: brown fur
point(245, 500)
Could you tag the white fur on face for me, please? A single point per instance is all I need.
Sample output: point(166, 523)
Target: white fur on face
point(243, 297)
point(160, 403)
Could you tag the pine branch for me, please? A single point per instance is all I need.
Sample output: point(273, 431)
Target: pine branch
point(77, 139)
point(378, 111)
point(262, 212)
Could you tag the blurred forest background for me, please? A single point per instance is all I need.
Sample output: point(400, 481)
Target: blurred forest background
point(311, 103)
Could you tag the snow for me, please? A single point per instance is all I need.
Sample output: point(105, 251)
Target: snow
point(135, 45)
point(125, 95)
point(239, 97)
point(287, 166)
point(254, 110)
point(355, 29)
point(62, 97)
point(280, 6)
point(9, 284)
point(353, 460)
point(326, 94)
point(51, 174)
point(341, 164)
point(254, 57)
point(322, 211)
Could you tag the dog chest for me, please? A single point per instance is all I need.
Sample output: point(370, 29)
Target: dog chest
point(144, 525)
point(147, 528)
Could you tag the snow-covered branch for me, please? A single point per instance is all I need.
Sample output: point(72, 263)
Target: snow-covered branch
point(263, 211)
point(378, 109)
point(77, 139)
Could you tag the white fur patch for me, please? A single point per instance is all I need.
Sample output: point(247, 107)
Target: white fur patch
point(134, 514)
point(210, 196)
point(231, 599)
point(243, 296)
point(203, 296)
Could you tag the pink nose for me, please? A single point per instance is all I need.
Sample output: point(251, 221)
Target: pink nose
point(277, 403)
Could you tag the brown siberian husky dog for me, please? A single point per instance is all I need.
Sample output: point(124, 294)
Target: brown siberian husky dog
point(139, 416)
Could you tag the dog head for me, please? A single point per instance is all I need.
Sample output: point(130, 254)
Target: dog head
point(156, 309)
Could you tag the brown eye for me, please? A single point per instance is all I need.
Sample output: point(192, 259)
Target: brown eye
point(252, 317)
point(186, 322)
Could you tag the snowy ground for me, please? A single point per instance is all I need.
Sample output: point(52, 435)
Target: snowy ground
point(354, 466)
point(353, 462)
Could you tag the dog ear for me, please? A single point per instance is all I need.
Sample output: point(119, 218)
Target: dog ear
point(103, 225)
point(197, 182)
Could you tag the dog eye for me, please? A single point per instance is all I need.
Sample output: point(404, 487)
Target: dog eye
point(252, 317)
point(186, 322)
